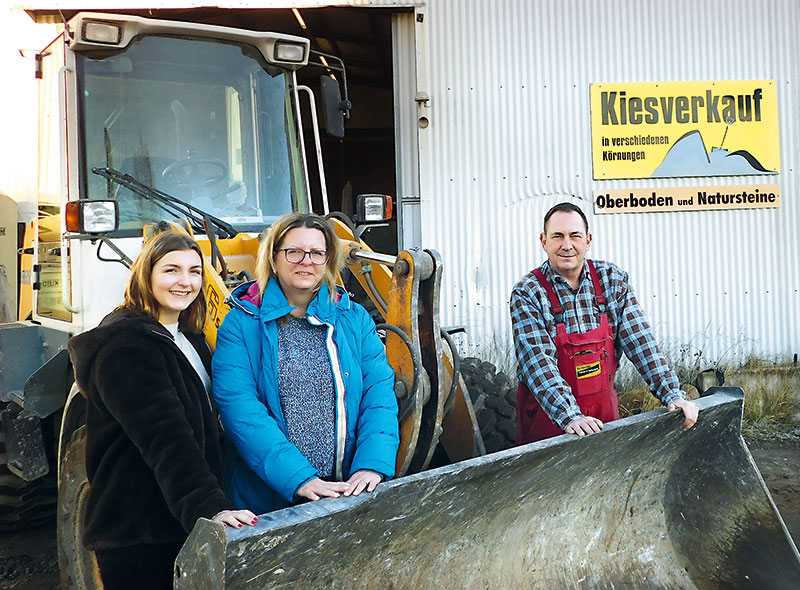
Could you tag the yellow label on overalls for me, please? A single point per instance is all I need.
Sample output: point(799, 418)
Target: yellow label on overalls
point(586, 371)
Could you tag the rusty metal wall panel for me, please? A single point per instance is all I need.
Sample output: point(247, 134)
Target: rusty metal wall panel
point(509, 136)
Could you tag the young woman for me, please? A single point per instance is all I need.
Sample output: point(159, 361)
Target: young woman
point(301, 378)
point(153, 457)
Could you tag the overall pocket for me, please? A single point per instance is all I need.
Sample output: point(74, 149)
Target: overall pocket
point(589, 372)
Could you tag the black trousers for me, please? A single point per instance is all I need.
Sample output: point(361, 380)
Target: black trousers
point(138, 567)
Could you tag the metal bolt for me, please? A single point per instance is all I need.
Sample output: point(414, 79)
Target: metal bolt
point(400, 389)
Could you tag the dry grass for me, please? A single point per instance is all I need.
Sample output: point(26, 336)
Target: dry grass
point(769, 406)
point(637, 400)
point(769, 402)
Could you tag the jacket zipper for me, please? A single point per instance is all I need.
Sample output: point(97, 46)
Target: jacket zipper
point(341, 413)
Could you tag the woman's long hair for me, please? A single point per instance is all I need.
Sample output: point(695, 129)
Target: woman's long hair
point(139, 291)
point(265, 264)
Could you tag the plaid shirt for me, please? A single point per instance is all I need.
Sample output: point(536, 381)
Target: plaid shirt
point(535, 333)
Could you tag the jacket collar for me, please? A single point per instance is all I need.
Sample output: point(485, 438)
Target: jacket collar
point(274, 305)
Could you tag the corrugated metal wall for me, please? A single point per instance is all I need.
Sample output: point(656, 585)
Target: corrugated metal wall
point(51, 5)
point(509, 136)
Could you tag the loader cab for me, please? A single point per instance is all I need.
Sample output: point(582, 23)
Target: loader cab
point(206, 115)
point(205, 120)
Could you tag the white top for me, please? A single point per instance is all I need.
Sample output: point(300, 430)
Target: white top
point(191, 354)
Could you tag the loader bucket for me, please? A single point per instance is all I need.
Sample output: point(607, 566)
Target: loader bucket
point(642, 504)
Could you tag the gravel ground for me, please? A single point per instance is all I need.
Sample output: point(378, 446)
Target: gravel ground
point(29, 560)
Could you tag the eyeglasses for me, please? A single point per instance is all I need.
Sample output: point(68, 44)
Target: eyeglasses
point(296, 255)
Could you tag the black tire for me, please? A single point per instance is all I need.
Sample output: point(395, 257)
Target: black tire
point(77, 565)
point(494, 398)
point(24, 504)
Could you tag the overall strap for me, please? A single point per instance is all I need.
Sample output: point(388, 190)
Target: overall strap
point(599, 295)
point(555, 304)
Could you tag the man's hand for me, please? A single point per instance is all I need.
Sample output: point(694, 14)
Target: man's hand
point(584, 425)
point(689, 409)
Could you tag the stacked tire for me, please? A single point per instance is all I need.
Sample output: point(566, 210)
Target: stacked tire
point(494, 398)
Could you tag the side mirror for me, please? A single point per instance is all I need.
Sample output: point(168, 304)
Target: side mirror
point(91, 217)
point(333, 107)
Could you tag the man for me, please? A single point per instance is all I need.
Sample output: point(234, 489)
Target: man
point(572, 320)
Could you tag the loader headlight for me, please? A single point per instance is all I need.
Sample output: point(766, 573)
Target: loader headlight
point(101, 32)
point(372, 208)
point(291, 52)
point(91, 217)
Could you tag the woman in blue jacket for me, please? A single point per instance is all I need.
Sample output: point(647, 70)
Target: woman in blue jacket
point(301, 378)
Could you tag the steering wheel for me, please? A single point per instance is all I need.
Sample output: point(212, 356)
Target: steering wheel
point(195, 172)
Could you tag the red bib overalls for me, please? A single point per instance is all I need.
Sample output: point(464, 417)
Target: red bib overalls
point(587, 363)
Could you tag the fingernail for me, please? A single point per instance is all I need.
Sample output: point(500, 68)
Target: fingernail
point(255, 521)
point(239, 525)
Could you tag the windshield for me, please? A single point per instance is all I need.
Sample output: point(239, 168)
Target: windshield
point(205, 121)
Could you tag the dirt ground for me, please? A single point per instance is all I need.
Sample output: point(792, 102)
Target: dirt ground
point(780, 467)
point(28, 560)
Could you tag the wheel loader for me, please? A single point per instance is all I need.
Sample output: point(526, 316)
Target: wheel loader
point(153, 125)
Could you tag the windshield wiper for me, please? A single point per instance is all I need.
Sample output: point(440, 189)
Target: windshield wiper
point(172, 205)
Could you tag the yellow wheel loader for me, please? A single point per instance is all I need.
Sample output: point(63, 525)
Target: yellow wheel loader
point(211, 130)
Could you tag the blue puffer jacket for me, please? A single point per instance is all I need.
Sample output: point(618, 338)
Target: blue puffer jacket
point(270, 469)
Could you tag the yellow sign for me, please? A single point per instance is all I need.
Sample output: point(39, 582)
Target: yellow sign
point(665, 130)
point(647, 200)
point(586, 371)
